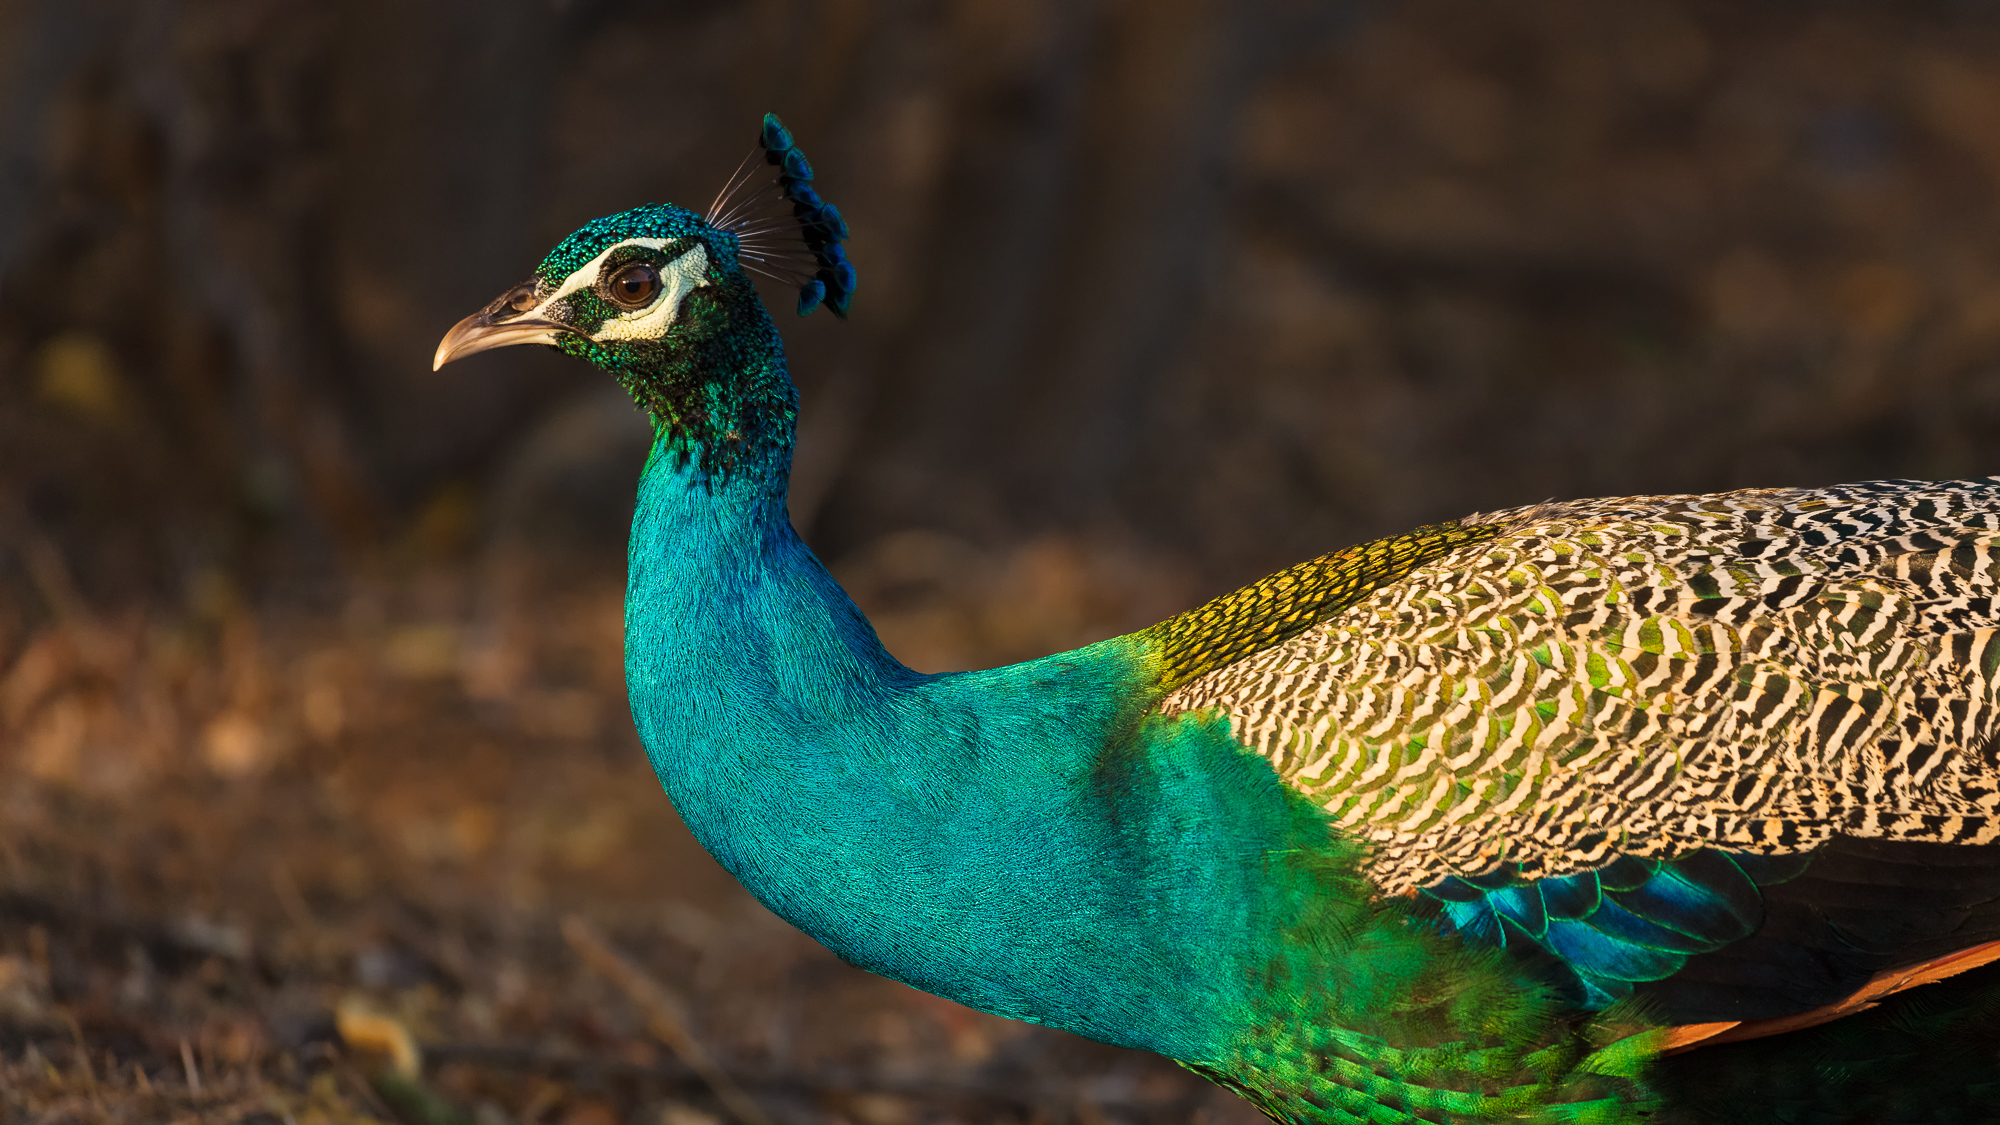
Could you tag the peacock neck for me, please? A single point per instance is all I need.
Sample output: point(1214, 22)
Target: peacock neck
point(731, 606)
point(1028, 840)
point(980, 835)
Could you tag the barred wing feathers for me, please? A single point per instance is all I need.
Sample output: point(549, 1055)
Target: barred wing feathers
point(1731, 751)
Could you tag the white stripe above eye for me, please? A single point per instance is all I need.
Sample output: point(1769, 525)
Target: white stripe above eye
point(678, 279)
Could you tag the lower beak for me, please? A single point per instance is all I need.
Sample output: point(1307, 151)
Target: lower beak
point(480, 332)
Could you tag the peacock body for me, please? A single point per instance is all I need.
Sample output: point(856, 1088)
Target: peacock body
point(1613, 811)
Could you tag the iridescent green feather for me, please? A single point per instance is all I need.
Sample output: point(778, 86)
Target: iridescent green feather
point(1279, 607)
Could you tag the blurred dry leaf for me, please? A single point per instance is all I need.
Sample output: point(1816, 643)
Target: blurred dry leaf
point(421, 651)
point(33, 674)
point(54, 740)
point(80, 373)
point(364, 1028)
point(234, 744)
point(590, 1113)
point(591, 838)
point(473, 828)
point(680, 1113)
point(879, 1109)
point(495, 669)
point(23, 990)
point(325, 713)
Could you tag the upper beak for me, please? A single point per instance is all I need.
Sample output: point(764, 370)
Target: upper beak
point(495, 326)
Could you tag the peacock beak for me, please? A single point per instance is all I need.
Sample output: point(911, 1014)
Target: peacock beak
point(498, 325)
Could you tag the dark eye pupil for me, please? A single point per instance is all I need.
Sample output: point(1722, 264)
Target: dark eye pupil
point(635, 286)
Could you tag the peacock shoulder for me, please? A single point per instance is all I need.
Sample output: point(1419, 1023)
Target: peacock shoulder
point(1278, 607)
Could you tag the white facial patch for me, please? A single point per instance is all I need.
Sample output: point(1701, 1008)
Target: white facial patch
point(679, 278)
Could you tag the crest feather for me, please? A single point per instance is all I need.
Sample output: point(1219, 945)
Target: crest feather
point(828, 277)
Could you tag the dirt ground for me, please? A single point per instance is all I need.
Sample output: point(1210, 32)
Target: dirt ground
point(401, 858)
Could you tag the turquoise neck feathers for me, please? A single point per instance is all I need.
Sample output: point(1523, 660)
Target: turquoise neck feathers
point(1028, 840)
point(978, 835)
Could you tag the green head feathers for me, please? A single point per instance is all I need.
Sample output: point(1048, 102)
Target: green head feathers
point(661, 298)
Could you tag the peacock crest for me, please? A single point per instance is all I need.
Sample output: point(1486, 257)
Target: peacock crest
point(747, 207)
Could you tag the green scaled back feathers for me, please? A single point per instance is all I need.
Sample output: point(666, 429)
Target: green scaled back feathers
point(1282, 606)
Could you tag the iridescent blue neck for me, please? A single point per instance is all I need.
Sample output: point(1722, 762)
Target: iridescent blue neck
point(734, 631)
point(1024, 839)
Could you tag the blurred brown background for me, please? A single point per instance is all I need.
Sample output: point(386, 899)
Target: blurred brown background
point(309, 668)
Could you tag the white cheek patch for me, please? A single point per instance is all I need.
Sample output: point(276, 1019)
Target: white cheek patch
point(678, 279)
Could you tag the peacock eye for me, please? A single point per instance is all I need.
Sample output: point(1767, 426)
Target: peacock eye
point(633, 287)
point(522, 299)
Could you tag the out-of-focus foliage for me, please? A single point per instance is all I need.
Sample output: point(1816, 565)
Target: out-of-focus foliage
point(1232, 282)
point(309, 657)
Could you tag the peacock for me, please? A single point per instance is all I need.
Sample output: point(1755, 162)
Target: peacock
point(1666, 808)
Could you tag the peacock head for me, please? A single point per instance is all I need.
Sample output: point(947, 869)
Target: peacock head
point(661, 297)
